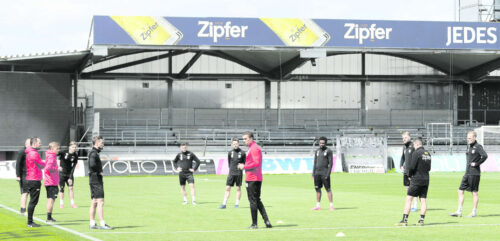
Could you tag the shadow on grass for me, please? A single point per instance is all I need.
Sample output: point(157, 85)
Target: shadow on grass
point(443, 223)
point(285, 225)
point(435, 209)
point(346, 208)
point(489, 215)
point(125, 227)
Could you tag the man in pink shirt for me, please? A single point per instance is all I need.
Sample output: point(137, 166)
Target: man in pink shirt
point(34, 166)
point(51, 178)
point(253, 179)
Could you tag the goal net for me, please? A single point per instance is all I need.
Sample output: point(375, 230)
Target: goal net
point(363, 153)
point(488, 136)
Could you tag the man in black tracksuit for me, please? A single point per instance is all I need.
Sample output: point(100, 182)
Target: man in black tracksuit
point(96, 184)
point(322, 168)
point(183, 163)
point(405, 158)
point(470, 182)
point(235, 177)
point(21, 174)
point(68, 161)
point(418, 173)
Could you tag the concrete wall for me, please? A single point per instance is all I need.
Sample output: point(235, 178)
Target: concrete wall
point(34, 105)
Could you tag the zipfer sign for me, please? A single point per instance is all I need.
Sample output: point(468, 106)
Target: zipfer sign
point(149, 167)
point(293, 32)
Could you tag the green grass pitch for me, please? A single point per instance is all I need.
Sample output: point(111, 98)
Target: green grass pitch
point(367, 207)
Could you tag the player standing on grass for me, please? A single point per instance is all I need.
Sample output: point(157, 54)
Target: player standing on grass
point(34, 166)
point(21, 174)
point(68, 161)
point(405, 157)
point(322, 168)
point(253, 172)
point(470, 182)
point(234, 158)
point(96, 184)
point(51, 178)
point(418, 172)
point(183, 163)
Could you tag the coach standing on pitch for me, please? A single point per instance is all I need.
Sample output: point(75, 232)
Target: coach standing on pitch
point(34, 166)
point(253, 171)
point(418, 173)
point(96, 184)
point(470, 182)
point(405, 158)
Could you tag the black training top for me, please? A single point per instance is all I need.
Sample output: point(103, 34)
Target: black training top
point(406, 156)
point(475, 153)
point(323, 162)
point(235, 157)
point(68, 162)
point(21, 163)
point(184, 160)
point(419, 167)
point(95, 166)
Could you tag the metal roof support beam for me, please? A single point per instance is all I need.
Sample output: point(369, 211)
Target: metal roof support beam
point(189, 64)
point(225, 56)
point(481, 71)
point(141, 61)
point(284, 71)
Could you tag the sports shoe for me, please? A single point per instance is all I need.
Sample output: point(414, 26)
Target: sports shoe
point(61, 205)
point(222, 206)
point(472, 215)
point(253, 226)
point(105, 227)
point(185, 202)
point(420, 222)
point(94, 227)
point(33, 225)
point(413, 209)
point(50, 220)
point(316, 208)
point(268, 224)
point(194, 203)
point(456, 214)
point(402, 223)
point(74, 206)
point(236, 206)
point(331, 208)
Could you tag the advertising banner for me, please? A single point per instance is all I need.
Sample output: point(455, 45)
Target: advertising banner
point(293, 32)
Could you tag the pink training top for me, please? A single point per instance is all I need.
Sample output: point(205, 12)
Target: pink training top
point(253, 163)
point(34, 165)
point(51, 172)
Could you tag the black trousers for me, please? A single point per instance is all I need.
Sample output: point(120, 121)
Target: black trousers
point(33, 188)
point(253, 191)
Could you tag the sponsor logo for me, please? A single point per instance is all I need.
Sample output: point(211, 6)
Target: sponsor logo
point(361, 33)
point(468, 35)
point(216, 30)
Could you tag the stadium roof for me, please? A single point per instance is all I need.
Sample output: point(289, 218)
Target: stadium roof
point(445, 46)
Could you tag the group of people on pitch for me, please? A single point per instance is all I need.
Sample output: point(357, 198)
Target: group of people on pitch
point(31, 169)
point(416, 165)
point(55, 176)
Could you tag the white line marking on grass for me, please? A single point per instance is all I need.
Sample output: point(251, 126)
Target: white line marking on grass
point(301, 229)
point(55, 225)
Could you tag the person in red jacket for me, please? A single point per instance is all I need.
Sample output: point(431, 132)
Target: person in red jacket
point(34, 166)
point(51, 178)
point(253, 179)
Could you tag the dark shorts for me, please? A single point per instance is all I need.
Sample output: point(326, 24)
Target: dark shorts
point(52, 191)
point(96, 190)
point(22, 185)
point(183, 177)
point(63, 180)
point(234, 180)
point(470, 183)
point(406, 180)
point(320, 181)
point(418, 191)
